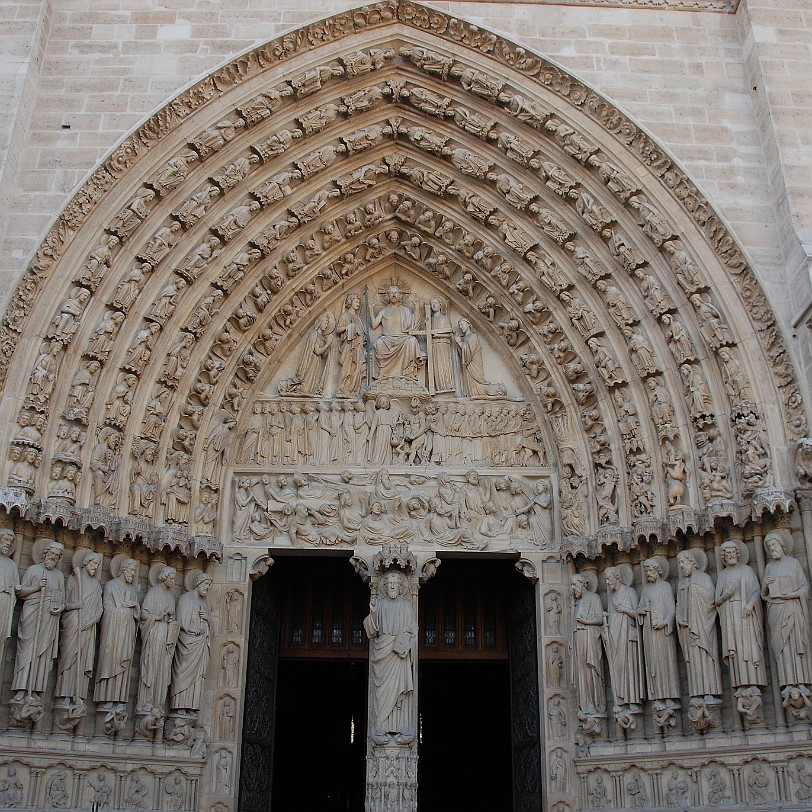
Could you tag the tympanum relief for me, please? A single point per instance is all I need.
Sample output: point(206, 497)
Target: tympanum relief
point(388, 427)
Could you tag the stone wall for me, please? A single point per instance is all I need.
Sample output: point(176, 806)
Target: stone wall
point(724, 92)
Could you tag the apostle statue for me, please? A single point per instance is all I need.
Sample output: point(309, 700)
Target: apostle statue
point(696, 629)
point(397, 352)
point(622, 638)
point(392, 628)
point(77, 643)
point(586, 651)
point(696, 623)
point(786, 590)
point(159, 634)
point(9, 588)
point(117, 644)
point(43, 594)
point(656, 616)
point(193, 650)
point(738, 601)
point(473, 365)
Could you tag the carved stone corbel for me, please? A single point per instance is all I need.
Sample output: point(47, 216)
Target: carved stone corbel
point(260, 566)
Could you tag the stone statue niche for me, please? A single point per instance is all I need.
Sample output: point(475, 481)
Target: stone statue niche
point(396, 338)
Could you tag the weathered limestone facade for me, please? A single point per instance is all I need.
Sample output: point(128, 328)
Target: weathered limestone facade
point(527, 281)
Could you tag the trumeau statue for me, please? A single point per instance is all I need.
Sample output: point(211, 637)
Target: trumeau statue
point(392, 628)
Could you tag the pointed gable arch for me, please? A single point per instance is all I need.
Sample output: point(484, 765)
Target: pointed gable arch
point(197, 255)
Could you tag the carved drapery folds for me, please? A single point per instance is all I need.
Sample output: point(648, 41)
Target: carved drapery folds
point(666, 616)
point(64, 605)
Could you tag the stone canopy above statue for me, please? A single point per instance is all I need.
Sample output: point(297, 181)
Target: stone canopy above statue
point(397, 338)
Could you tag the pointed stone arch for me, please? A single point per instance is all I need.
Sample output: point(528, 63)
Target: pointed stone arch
point(176, 287)
point(619, 284)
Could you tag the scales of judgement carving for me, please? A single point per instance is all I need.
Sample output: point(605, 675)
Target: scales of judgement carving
point(389, 409)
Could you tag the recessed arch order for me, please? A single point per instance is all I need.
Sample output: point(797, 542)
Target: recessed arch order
point(389, 139)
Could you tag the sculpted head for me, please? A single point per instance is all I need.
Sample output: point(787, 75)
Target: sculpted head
point(579, 585)
point(202, 583)
point(653, 570)
point(394, 584)
point(730, 553)
point(7, 539)
point(687, 563)
point(777, 544)
point(393, 294)
point(166, 577)
point(52, 554)
point(91, 563)
point(613, 578)
point(127, 570)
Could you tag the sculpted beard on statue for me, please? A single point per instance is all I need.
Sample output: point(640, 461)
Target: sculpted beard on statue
point(392, 628)
point(397, 353)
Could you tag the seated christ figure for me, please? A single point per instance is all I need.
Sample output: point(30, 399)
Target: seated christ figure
point(396, 351)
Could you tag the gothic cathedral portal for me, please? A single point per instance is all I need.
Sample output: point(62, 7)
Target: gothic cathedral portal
point(387, 400)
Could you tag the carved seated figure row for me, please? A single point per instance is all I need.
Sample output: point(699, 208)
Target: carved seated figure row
point(373, 432)
point(328, 511)
point(58, 621)
point(639, 635)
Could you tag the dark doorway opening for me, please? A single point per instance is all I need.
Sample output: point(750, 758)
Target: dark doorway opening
point(465, 746)
point(465, 687)
point(304, 728)
point(320, 736)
